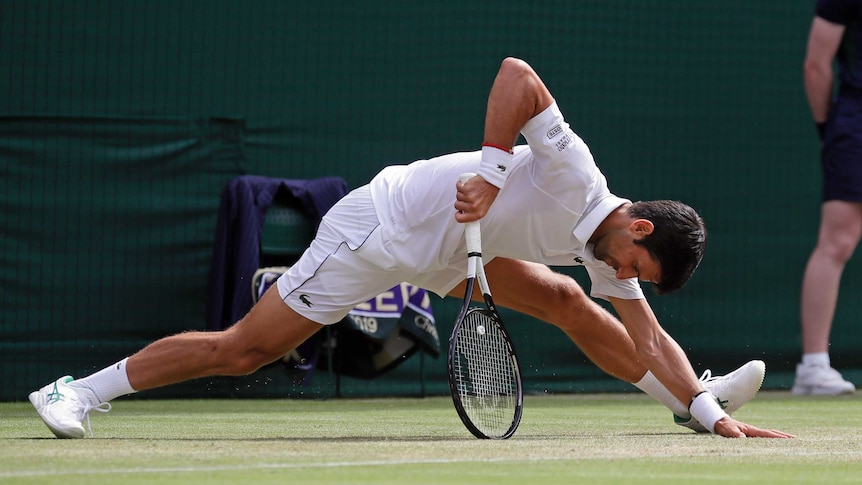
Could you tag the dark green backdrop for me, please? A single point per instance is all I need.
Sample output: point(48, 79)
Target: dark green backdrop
point(120, 122)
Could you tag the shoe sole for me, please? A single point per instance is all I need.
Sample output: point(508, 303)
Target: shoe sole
point(813, 391)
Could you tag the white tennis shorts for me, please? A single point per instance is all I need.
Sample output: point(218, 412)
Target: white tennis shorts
point(351, 261)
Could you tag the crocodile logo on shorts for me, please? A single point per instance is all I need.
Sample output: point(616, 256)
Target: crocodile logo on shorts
point(304, 298)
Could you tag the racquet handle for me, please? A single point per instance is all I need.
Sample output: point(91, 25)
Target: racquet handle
point(472, 233)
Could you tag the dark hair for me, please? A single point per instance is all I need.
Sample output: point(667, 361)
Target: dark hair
point(677, 242)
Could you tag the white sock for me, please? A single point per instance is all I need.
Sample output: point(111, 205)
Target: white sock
point(817, 359)
point(650, 385)
point(107, 384)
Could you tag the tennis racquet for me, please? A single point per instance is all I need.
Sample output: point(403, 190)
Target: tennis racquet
point(484, 378)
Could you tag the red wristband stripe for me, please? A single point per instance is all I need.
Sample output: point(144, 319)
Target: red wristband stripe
point(498, 147)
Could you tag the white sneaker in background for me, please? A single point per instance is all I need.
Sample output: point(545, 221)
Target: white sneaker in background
point(814, 380)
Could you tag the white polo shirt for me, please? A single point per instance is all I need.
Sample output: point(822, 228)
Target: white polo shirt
point(552, 201)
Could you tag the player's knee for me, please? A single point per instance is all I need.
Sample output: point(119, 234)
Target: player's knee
point(570, 304)
point(235, 357)
point(249, 363)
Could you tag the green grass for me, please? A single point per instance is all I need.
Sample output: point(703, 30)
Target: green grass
point(616, 438)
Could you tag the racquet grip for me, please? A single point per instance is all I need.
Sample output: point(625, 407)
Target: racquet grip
point(471, 229)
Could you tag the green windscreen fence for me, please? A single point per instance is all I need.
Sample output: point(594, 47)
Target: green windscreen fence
point(121, 122)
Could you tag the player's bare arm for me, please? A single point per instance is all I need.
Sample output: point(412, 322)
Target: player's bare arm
point(656, 349)
point(665, 358)
point(517, 95)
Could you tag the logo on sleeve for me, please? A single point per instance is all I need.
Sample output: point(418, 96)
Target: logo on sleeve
point(304, 299)
point(563, 143)
point(555, 131)
point(501, 168)
point(579, 260)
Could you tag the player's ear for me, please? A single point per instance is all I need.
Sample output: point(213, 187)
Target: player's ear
point(641, 227)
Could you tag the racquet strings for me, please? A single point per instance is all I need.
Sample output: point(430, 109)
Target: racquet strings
point(485, 374)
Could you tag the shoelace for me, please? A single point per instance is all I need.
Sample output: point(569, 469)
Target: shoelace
point(706, 376)
point(102, 407)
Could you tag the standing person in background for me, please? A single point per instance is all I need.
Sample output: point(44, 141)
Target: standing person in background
point(835, 35)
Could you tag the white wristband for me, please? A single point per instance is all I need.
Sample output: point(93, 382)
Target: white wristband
point(705, 408)
point(496, 165)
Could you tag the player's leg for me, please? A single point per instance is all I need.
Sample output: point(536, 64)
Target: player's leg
point(341, 269)
point(538, 291)
point(265, 334)
point(839, 234)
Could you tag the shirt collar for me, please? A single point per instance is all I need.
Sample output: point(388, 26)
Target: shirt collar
point(599, 212)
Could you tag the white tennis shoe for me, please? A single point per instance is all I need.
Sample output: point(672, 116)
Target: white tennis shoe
point(815, 380)
point(731, 391)
point(63, 407)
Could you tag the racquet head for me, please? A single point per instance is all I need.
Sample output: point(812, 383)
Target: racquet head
point(484, 376)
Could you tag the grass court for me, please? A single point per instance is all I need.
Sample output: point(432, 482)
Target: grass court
point(565, 439)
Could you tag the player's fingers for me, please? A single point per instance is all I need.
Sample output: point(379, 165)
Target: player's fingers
point(729, 428)
point(465, 216)
point(464, 207)
point(464, 201)
point(773, 433)
point(461, 194)
point(733, 433)
point(754, 432)
point(469, 210)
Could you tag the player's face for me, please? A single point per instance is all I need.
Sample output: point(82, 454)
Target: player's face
point(618, 250)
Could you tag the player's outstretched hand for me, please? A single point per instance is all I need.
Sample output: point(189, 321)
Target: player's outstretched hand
point(731, 428)
point(473, 199)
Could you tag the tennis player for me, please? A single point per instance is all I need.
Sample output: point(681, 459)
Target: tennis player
point(544, 203)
